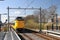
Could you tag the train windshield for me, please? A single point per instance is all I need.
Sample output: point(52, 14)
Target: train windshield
point(19, 18)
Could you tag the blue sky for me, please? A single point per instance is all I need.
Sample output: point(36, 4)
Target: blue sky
point(24, 3)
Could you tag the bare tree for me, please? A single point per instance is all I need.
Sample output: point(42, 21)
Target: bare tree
point(52, 10)
point(46, 13)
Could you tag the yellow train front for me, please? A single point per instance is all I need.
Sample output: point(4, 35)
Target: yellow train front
point(19, 23)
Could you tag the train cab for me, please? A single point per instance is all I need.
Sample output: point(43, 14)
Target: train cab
point(19, 23)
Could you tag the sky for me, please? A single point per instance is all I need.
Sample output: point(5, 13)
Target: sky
point(26, 3)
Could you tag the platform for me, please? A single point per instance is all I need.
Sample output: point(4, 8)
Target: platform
point(2, 35)
point(11, 35)
point(53, 33)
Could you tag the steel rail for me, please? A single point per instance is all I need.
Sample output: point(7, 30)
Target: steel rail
point(46, 36)
point(27, 36)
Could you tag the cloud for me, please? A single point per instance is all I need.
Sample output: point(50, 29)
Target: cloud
point(17, 12)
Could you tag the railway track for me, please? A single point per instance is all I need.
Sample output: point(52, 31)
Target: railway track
point(47, 37)
point(36, 36)
point(31, 36)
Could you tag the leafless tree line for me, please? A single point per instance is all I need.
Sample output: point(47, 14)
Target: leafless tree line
point(46, 14)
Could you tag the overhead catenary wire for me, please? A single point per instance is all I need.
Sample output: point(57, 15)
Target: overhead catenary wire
point(28, 6)
point(30, 3)
point(24, 11)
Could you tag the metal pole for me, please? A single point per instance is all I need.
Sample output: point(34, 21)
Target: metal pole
point(56, 23)
point(52, 22)
point(40, 21)
point(26, 8)
point(47, 27)
point(0, 17)
point(0, 22)
point(8, 18)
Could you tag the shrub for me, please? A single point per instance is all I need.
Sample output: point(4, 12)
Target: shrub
point(31, 24)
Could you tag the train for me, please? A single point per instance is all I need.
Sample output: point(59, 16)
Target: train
point(19, 24)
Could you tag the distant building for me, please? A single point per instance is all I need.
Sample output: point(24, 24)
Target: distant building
point(58, 19)
point(49, 24)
